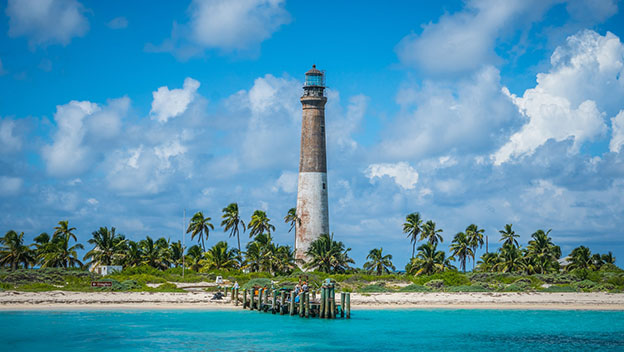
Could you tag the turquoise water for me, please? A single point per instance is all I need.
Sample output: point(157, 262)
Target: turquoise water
point(368, 330)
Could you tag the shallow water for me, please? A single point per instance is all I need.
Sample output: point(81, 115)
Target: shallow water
point(368, 330)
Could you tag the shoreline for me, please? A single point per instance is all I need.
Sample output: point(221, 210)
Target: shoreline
point(66, 300)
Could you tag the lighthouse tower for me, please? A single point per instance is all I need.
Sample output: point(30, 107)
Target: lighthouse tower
point(312, 209)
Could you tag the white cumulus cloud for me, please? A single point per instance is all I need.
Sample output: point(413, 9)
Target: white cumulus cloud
point(570, 101)
point(46, 22)
point(171, 103)
point(617, 134)
point(287, 182)
point(403, 174)
point(80, 124)
point(9, 141)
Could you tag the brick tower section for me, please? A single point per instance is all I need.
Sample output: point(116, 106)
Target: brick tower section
point(312, 208)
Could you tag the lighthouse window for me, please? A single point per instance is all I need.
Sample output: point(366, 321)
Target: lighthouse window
point(323, 185)
point(322, 128)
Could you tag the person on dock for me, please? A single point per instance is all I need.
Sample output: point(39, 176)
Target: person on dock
point(236, 286)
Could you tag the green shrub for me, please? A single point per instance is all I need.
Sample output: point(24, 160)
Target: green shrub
point(435, 284)
point(584, 285)
point(467, 288)
point(5, 286)
point(610, 268)
point(262, 282)
point(450, 278)
point(36, 287)
point(616, 280)
point(166, 287)
point(414, 288)
point(374, 288)
point(558, 288)
point(606, 287)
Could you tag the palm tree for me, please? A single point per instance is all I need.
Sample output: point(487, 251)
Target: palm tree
point(475, 238)
point(194, 256)
point(259, 224)
point(220, 257)
point(428, 261)
point(509, 236)
point(40, 243)
point(58, 252)
point(412, 228)
point(292, 219)
point(152, 253)
point(200, 226)
point(487, 262)
point(177, 252)
point(132, 254)
point(63, 229)
point(257, 256)
point(461, 249)
point(284, 260)
point(109, 247)
point(13, 252)
point(580, 258)
point(328, 255)
point(378, 263)
point(543, 252)
point(510, 259)
point(608, 258)
point(430, 233)
point(231, 222)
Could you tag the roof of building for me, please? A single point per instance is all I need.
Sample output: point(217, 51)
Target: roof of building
point(314, 72)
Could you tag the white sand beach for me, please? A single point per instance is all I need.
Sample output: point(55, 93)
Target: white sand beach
point(14, 300)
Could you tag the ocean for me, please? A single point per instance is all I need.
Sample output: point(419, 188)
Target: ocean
point(368, 330)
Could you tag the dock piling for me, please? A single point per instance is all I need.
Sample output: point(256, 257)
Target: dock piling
point(282, 302)
point(244, 298)
point(348, 305)
point(292, 303)
point(306, 297)
point(260, 293)
point(342, 304)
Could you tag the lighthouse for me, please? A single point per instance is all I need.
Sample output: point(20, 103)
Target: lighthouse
point(312, 209)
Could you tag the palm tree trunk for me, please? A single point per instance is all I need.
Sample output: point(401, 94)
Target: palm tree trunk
point(413, 249)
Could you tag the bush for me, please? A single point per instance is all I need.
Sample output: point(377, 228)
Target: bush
point(374, 288)
point(617, 280)
point(414, 288)
point(257, 282)
point(435, 284)
point(450, 278)
point(584, 285)
point(467, 288)
point(166, 287)
point(559, 288)
point(36, 287)
point(557, 279)
point(5, 286)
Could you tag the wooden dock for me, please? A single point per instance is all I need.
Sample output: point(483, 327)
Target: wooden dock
point(285, 302)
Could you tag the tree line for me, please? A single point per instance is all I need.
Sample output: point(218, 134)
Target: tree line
point(541, 255)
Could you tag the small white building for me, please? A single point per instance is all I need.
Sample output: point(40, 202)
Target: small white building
point(105, 269)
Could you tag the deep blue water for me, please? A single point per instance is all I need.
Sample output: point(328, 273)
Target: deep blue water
point(368, 330)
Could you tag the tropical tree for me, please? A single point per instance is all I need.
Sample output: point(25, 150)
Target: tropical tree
point(412, 227)
point(292, 219)
point(133, 256)
point(461, 249)
point(259, 224)
point(580, 258)
point(194, 257)
point(378, 263)
point(328, 256)
point(543, 253)
point(153, 253)
point(40, 243)
point(475, 238)
point(508, 235)
point(109, 247)
point(232, 221)
point(13, 252)
point(488, 261)
point(430, 233)
point(284, 260)
point(59, 253)
point(219, 257)
point(608, 258)
point(510, 259)
point(428, 261)
point(64, 230)
point(200, 226)
point(177, 253)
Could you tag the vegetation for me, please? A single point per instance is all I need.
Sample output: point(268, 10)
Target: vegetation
point(157, 264)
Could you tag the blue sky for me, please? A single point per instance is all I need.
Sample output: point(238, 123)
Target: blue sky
point(124, 114)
